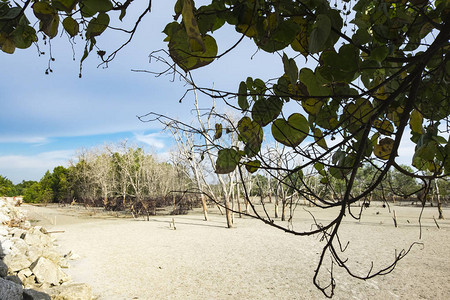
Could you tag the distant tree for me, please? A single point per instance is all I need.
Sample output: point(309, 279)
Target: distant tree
point(25, 184)
point(33, 194)
point(7, 188)
point(60, 186)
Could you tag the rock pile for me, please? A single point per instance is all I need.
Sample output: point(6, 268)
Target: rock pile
point(30, 266)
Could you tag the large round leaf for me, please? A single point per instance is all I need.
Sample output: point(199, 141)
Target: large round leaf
point(266, 110)
point(227, 161)
point(180, 51)
point(291, 132)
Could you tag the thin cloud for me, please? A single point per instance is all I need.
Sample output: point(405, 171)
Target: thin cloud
point(154, 140)
point(32, 167)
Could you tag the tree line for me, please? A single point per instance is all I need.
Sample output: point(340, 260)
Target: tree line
point(126, 178)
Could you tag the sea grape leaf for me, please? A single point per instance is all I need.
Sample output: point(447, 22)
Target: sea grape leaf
point(242, 97)
point(319, 34)
point(227, 160)
point(384, 148)
point(319, 139)
point(71, 26)
point(252, 166)
point(97, 25)
point(250, 132)
point(218, 133)
point(265, 111)
point(415, 121)
point(290, 68)
point(190, 23)
point(180, 50)
point(290, 132)
point(384, 127)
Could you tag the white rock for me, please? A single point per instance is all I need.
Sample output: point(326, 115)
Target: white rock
point(16, 262)
point(19, 245)
point(72, 291)
point(47, 271)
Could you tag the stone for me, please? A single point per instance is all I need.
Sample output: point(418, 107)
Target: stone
point(47, 271)
point(29, 294)
point(3, 230)
point(19, 245)
point(34, 253)
point(6, 247)
point(16, 262)
point(35, 236)
point(3, 269)
point(14, 278)
point(24, 274)
point(72, 291)
point(53, 255)
point(29, 282)
point(10, 290)
point(17, 232)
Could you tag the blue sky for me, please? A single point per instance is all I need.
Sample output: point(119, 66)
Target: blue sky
point(44, 119)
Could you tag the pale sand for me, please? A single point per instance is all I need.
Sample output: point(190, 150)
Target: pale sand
point(124, 258)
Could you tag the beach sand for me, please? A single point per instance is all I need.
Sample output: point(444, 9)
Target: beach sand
point(125, 258)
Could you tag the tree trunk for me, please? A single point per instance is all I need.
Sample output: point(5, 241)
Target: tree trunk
point(204, 207)
point(228, 212)
point(276, 205)
point(283, 209)
point(438, 199)
point(238, 198)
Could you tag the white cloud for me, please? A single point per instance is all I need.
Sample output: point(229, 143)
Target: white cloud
point(32, 167)
point(154, 140)
point(24, 139)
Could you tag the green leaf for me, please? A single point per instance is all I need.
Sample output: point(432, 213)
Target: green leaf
point(94, 6)
point(277, 38)
point(71, 26)
point(315, 85)
point(319, 34)
point(291, 132)
point(318, 138)
point(180, 51)
point(8, 46)
point(384, 148)
point(227, 160)
point(380, 53)
point(12, 13)
point(356, 114)
point(384, 127)
point(48, 16)
point(64, 5)
point(415, 121)
point(252, 166)
point(300, 42)
point(251, 134)
point(242, 97)
point(312, 105)
point(290, 68)
point(24, 36)
point(265, 111)
point(192, 31)
point(218, 133)
point(97, 25)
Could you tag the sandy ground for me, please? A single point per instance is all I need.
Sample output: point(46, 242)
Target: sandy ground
point(123, 258)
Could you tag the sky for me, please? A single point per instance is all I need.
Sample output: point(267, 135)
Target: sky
point(46, 119)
